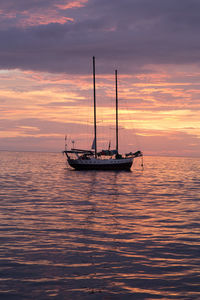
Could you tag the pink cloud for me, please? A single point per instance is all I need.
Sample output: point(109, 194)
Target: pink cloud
point(27, 14)
point(44, 107)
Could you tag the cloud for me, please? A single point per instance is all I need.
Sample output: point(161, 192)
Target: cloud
point(154, 44)
point(42, 135)
point(24, 13)
point(163, 142)
point(131, 34)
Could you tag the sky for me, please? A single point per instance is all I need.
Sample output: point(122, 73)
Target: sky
point(46, 87)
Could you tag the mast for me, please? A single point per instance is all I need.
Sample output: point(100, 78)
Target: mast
point(116, 111)
point(95, 126)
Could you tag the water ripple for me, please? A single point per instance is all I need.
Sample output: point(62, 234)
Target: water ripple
point(98, 235)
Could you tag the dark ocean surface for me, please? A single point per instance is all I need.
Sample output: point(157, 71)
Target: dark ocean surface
point(99, 235)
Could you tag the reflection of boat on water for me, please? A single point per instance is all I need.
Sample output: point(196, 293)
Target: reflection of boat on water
point(106, 159)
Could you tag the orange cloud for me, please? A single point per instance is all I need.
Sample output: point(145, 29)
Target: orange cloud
point(41, 16)
point(36, 19)
point(73, 4)
point(31, 101)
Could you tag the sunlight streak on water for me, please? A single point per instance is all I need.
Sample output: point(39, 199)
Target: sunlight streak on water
point(90, 235)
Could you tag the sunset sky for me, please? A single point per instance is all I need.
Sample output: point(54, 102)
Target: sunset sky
point(46, 91)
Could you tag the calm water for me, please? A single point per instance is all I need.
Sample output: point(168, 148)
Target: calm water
point(99, 235)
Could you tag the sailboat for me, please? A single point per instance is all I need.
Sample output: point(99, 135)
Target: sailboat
point(80, 159)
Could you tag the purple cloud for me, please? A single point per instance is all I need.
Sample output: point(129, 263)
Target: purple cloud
point(129, 34)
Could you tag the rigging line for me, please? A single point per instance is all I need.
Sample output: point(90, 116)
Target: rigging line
point(131, 118)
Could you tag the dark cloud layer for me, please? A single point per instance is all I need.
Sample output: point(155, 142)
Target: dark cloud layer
point(129, 33)
point(21, 5)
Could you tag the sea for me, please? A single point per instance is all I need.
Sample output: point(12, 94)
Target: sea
point(68, 234)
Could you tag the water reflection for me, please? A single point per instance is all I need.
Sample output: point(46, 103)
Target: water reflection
point(91, 227)
point(77, 235)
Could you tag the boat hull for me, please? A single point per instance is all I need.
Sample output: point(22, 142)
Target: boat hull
point(105, 165)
